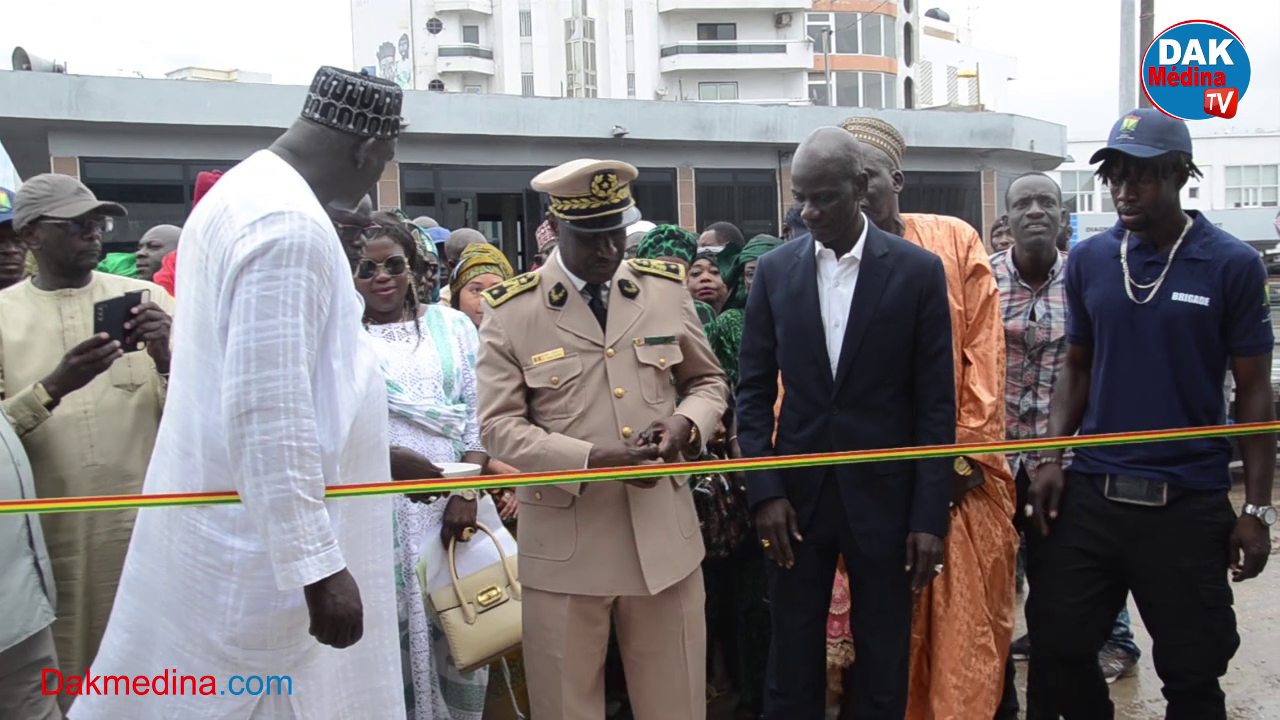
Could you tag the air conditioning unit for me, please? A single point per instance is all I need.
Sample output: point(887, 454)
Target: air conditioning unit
point(782, 20)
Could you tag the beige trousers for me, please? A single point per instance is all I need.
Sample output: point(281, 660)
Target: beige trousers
point(663, 641)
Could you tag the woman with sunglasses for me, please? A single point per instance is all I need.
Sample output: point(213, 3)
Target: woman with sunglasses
point(428, 354)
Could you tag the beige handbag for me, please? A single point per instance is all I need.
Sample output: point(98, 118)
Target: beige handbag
point(480, 613)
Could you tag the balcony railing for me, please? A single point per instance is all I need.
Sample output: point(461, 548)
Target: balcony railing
point(724, 47)
point(466, 50)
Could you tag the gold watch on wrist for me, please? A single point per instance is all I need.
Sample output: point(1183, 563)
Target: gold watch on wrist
point(962, 466)
point(694, 436)
point(467, 494)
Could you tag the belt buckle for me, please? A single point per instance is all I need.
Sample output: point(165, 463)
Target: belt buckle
point(1135, 490)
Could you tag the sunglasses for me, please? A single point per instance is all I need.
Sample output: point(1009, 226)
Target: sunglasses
point(351, 233)
point(396, 265)
point(82, 226)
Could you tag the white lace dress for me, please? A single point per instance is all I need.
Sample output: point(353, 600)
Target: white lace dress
point(431, 371)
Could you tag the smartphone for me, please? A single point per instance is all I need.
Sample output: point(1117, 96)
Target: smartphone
point(109, 316)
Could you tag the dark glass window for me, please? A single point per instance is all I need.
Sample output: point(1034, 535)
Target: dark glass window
point(846, 34)
point(154, 193)
point(717, 31)
point(655, 194)
point(958, 194)
point(746, 198)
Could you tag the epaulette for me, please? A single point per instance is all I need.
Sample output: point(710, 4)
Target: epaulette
point(668, 270)
point(503, 292)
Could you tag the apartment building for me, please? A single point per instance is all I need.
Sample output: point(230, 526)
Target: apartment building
point(853, 53)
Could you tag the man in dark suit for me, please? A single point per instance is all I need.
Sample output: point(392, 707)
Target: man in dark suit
point(858, 324)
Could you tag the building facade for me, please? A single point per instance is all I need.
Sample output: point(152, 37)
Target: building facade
point(1240, 190)
point(715, 51)
point(467, 160)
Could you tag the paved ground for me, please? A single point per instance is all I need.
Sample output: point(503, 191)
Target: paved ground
point(1253, 683)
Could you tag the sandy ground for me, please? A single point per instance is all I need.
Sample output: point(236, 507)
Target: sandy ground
point(1252, 684)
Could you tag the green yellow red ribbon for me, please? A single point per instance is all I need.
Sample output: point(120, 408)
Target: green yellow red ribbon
point(125, 502)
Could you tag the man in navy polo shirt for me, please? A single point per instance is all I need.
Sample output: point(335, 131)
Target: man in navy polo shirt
point(1158, 307)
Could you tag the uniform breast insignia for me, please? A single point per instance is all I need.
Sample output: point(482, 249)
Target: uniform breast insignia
point(548, 356)
point(557, 295)
point(668, 270)
point(628, 289)
point(655, 340)
point(499, 294)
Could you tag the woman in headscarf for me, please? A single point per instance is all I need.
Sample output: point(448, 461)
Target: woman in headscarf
point(672, 243)
point(704, 280)
point(480, 267)
point(725, 334)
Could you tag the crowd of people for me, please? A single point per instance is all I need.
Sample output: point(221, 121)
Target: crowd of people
point(336, 343)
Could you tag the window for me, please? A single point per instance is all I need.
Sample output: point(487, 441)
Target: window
point(908, 45)
point(1193, 193)
point(580, 57)
point(717, 31)
point(845, 35)
point(654, 191)
point(471, 34)
point(156, 193)
point(818, 94)
point(716, 91)
point(855, 89)
point(818, 26)
point(873, 90)
point(526, 84)
point(1252, 185)
point(906, 5)
point(473, 89)
point(853, 33)
point(872, 34)
point(526, 23)
point(908, 94)
point(631, 84)
point(1078, 191)
point(630, 22)
point(434, 26)
point(746, 198)
point(435, 86)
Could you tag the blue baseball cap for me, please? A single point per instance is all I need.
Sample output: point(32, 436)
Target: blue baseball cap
point(1146, 133)
point(6, 205)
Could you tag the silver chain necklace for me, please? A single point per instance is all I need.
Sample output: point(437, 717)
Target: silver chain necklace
point(1130, 284)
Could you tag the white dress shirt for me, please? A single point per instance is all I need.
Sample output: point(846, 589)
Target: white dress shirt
point(837, 278)
point(581, 285)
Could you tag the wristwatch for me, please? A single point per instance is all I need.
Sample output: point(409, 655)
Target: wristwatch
point(963, 467)
point(467, 494)
point(1265, 513)
point(694, 437)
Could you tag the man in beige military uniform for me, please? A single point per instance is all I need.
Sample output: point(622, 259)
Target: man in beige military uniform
point(581, 363)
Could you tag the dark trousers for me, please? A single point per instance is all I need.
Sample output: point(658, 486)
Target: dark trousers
point(800, 599)
point(1173, 559)
point(1038, 705)
point(738, 617)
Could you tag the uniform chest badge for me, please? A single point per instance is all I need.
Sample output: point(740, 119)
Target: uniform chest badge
point(557, 295)
point(628, 289)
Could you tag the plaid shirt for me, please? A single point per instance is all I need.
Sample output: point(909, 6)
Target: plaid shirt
point(1035, 333)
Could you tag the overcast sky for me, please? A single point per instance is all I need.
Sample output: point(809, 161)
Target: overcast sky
point(1067, 60)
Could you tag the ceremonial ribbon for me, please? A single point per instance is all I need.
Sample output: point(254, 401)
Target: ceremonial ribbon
point(124, 502)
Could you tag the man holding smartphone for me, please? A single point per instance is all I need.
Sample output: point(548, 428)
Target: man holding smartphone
point(86, 410)
point(1158, 308)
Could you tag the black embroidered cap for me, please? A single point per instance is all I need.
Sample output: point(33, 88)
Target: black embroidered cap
point(355, 103)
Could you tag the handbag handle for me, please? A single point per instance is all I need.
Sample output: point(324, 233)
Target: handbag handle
point(468, 612)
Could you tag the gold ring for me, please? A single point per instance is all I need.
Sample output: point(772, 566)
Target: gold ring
point(765, 543)
point(468, 533)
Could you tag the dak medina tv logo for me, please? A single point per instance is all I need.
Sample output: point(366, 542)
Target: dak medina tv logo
point(1196, 70)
